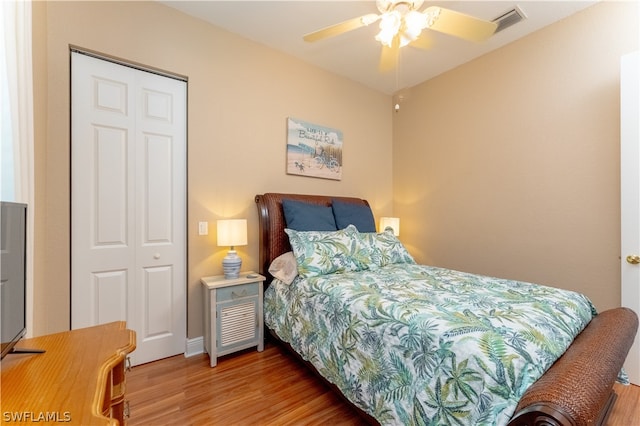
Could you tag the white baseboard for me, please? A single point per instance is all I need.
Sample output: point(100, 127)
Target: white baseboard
point(195, 346)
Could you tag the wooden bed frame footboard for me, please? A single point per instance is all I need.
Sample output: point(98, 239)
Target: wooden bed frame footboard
point(578, 388)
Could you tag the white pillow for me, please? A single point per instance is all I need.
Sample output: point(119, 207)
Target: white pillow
point(284, 267)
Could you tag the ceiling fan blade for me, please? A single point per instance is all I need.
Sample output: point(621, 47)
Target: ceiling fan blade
point(389, 55)
point(422, 42)
point(341, 28)
point(460, 25)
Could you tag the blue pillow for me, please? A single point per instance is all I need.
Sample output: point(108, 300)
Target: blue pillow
point(359, 215)
point(302, 216)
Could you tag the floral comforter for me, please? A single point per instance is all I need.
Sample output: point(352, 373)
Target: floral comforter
point(413, 344)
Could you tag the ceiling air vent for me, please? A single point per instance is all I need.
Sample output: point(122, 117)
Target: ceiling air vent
point(510, 18)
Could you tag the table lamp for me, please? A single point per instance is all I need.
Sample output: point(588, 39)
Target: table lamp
point(390, 222)
point(232, 232)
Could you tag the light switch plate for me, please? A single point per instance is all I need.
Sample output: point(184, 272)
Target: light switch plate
point(203, 228)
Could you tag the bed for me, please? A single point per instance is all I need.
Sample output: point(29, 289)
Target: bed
point(493, 367)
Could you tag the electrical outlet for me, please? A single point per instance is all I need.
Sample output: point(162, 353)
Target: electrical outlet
point(203, 228)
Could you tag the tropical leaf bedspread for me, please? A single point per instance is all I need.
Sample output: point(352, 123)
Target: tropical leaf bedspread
point(413, 344)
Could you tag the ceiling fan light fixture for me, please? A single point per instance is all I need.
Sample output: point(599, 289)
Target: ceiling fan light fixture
point(389, 26)
point(414, 22)
point(385, 6)
point(385, 37)
point(405, 39)
point(403, 20)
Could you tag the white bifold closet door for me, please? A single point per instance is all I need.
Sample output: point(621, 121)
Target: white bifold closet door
point(128, 203)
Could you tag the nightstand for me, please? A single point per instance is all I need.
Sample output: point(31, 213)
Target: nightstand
point(233, 318)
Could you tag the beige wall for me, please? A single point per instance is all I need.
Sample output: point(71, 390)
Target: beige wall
point(506, 166)
point(240, 94)
point(509, 165)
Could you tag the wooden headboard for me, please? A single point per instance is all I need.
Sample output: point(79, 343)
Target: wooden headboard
point(273, 240)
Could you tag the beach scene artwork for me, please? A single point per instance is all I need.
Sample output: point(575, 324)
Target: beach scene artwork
point(313, 150)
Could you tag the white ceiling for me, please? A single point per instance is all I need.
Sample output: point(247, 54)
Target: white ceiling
point(356, 54)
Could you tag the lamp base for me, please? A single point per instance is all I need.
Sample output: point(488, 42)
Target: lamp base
point(231, 265)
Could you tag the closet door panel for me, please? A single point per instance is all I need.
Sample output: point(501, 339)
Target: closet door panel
point(129, 203)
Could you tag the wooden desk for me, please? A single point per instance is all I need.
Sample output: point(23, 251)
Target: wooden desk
point(80, 379)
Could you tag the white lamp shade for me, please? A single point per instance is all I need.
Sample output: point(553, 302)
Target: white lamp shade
point(390, 222)
point(232, 232)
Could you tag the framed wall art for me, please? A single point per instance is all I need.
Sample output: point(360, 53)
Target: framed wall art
point(313, 150)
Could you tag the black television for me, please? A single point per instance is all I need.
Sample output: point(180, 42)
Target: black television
point(13, 278)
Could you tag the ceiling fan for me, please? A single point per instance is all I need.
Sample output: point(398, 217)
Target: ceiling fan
point(401, 23)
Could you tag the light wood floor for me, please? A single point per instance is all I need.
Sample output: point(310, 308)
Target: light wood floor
point(261, 388)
